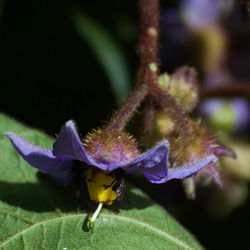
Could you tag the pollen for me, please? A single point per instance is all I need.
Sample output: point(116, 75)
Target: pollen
point(100, 186)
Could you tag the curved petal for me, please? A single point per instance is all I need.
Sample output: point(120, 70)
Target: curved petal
point(152, 163)
point(220, 150)
point(42, 159)
point(159, 172)
point(189, 168)
point(69, 146)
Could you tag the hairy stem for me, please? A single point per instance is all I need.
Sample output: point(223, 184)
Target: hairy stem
point(148, 49)
point(148, 41)
point(163, 100)
point(123, 115)
point(148, 78)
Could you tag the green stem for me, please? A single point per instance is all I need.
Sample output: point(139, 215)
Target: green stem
point(91, 222)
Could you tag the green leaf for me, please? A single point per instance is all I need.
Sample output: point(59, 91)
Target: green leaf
point(108, 53)
point(37, 213)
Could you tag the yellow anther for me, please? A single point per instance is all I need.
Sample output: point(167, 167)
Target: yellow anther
point(100, 186)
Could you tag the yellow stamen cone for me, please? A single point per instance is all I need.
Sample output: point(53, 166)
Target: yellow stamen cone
point(100, 186)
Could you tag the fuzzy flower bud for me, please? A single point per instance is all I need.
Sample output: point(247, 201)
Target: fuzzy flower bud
point(157, 124)
point(182, 85)
point(199, 145)
point(161, 122)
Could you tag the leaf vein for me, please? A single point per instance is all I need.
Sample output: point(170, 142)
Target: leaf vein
point(16, 216)
point(168, 236)
point(60, 230)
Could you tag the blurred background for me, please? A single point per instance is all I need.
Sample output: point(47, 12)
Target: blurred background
point(62, 60)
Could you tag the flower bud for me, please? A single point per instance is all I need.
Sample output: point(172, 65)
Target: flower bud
point(163, 81)
point(182, 85)
point(165, 125)
point(157, 124)
point(184, 88)
point(195, 147)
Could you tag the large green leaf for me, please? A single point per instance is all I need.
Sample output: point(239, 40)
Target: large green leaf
point(37, 213)
point(108, 53)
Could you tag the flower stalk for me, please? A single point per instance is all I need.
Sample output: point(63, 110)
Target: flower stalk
point(91, 222)
point(120, 119)
point(149, 63)
point(148, 41)
point(148, 50)
point(148, 75)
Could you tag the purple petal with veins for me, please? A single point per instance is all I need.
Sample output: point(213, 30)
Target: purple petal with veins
point(190, 168)
point(42, 159)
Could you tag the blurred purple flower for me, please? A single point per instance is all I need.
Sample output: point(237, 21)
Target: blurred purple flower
point(236, 111)
point(198, 14)
point(69, 148)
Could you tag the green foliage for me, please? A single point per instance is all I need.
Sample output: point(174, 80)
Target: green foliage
point(37, 213)
point(108, 53)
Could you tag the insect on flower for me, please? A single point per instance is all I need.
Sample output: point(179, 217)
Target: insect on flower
point(102, 159)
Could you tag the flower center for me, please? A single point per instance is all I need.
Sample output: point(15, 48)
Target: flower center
point(101, 185)
point(112, 147)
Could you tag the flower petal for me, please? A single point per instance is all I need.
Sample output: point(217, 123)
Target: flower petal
point(153, 163)
point(199, 14)
point(69, 146)
point(42, 159)
point(220, 150)
point(189, 168)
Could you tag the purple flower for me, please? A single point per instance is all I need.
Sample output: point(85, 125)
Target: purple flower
point(68, 149)
point(232, 115)
point(202, 13)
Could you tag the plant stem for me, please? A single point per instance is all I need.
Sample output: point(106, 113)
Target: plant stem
point(123, 115)
point(148, 41)
point(148, 49)
point(92, 220)
point(148, 77)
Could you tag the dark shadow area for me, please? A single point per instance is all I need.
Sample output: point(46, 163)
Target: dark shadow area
point(131, 200)
point(48, 73)
point(85, 227)
point(47, 195)
point(213, 232)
